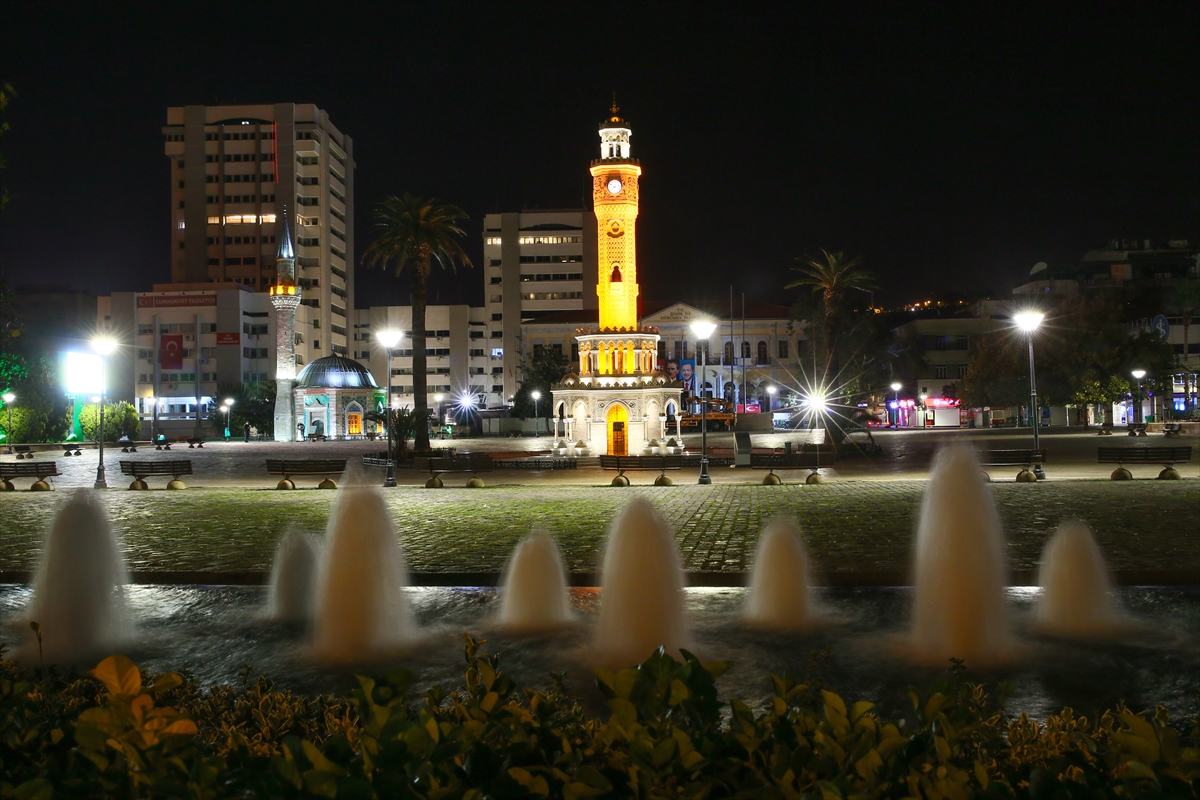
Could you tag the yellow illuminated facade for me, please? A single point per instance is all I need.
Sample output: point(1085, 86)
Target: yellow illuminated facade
point(615, 199)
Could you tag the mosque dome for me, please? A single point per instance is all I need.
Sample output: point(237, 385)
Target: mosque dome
point(335, 372)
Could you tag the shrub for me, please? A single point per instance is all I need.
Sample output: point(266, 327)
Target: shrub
point(120, 419)
point(664, 736)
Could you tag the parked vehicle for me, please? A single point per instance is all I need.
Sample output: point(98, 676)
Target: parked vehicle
point(719, 413)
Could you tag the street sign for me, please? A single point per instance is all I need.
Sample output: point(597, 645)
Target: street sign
point(1161, 325)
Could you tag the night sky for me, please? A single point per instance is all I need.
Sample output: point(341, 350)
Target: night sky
point(952, 146)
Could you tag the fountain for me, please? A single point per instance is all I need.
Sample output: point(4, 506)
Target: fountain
point(779, 580)
point(361, 609)
point(78, 589)
point(959, 608)
point(294, 578)
point(1077, 594)
point(641, 589)
point(533, 597)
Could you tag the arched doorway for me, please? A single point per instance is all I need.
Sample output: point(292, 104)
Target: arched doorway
point(617, 422)
point(354, 420)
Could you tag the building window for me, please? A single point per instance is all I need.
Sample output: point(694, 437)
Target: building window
point(939, 372)
point(492, 240)
point(783, 348)
point(497, 317)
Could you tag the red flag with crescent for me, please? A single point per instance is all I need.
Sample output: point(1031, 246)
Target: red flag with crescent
point(170, 351)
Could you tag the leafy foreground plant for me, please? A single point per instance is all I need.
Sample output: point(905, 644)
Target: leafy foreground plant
point(667, 735)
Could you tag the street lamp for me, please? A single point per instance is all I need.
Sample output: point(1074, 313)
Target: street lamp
point(1137, 409)
point(771, 390)
point(104, 348)
point(1028, 321)
point(8, 401)
point(389, 339)
point(896, 387)
point(227, 407)
point(536, 395)
point(703, 331)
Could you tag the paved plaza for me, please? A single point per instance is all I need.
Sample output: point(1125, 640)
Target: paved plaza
point(859, 526)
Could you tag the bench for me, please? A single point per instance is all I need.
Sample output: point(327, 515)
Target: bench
point(803, 459)
point(67, 448)
point(1106, 429)
point(127, 445)
point(162, 443)
point(623, 463)
point(140, 470)
point(473, 463)
point(316, 437)
point(287, 468)
point(1168, 457)
point(39, 471)
point(1137, 429)
point(196, 442)
point(22, 450)
point(1172, 429)
point(1025, 459)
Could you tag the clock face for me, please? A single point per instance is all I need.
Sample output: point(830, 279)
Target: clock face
point(614, 186)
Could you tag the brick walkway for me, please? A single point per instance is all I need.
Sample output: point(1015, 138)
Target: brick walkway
point(851, 526)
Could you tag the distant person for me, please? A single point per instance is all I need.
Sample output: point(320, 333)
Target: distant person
point(300, 427)
point(246, 432)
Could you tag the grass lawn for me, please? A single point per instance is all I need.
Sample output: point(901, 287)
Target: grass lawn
point(849, 526)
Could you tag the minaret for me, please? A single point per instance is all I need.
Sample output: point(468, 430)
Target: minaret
point(615, 199)
point(285, 297)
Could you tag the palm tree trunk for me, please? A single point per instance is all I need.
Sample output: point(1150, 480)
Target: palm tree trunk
point(828, 336)
point(420, 380)
point(1187, 320)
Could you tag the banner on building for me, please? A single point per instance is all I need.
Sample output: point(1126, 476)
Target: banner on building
point(176, 300)
point(170, 351)
point(229, 338)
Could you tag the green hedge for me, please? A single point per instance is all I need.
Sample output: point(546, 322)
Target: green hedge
point(666, 735)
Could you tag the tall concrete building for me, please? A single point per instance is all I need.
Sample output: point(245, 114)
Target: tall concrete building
point(233, 170)
point(536, 263)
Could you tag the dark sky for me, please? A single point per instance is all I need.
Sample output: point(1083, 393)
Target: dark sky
point(952, 146)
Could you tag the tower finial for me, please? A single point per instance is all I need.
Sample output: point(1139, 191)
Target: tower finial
point(614, 104)
point(285, 249)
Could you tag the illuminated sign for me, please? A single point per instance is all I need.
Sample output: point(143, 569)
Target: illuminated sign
point(229, 338)
point(176, 301)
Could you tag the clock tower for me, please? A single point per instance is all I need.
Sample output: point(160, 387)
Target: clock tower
point(615, 199)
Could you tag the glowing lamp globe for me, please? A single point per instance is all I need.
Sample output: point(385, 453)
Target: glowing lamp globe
point(1029, 321)
point(703, 330)
point(1138, 373)
point(389, 338)
point(103, 345)
point(897, 387)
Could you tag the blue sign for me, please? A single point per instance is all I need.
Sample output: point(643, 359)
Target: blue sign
point(1161, 325)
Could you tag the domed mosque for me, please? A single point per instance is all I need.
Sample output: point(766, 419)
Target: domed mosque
point(332, 395)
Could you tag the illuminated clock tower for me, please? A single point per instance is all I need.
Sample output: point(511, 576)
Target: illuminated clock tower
point(615, 199)
point(619, 403)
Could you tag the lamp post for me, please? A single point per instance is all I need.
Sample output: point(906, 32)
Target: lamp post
point(771, 390)
point(104, 348)
point(896, 386)
point(389, 339)
point(536, 395)
point(1138, 374)
point(1028, 321)
point(703, 331)
point(227, 407)
point(8, 401)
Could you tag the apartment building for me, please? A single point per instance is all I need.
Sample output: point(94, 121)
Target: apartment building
point(234, 170)
point(460, 361)
point(536, 263)
point(180, 342)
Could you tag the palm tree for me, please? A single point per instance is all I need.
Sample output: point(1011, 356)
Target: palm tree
point(413, 233)
point(832, 278)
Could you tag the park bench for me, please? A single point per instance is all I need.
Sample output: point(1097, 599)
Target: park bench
point(802, 459)
point(1168, 457)
point(197, 441)
point(127, 445)
point(39, 471)
point(288, 467)
point(1172, 429)
point(473, 463)
point(1137, 429)
point(162, 443)
point(623, 463)
point(1025, 459)
point(140, 470)
point(67, 448)
point(22, 450)
point(316, 437)
point(1106, 429)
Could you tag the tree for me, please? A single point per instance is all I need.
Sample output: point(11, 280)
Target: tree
point(404, 425)
point(412, 233)
point(120, 419)
point(546, 368)
point(997, 374)
point(832, 279)
point(253, 403)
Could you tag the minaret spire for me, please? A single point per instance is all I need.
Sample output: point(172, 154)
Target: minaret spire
point(285, 297)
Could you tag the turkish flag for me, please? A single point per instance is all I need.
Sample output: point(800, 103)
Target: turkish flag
point(170, 351)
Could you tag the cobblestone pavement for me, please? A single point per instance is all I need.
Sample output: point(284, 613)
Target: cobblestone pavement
point(1071, 454)
point(851, 526)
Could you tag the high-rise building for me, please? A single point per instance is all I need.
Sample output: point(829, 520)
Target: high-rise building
point(233, 171)
point(535, 263)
